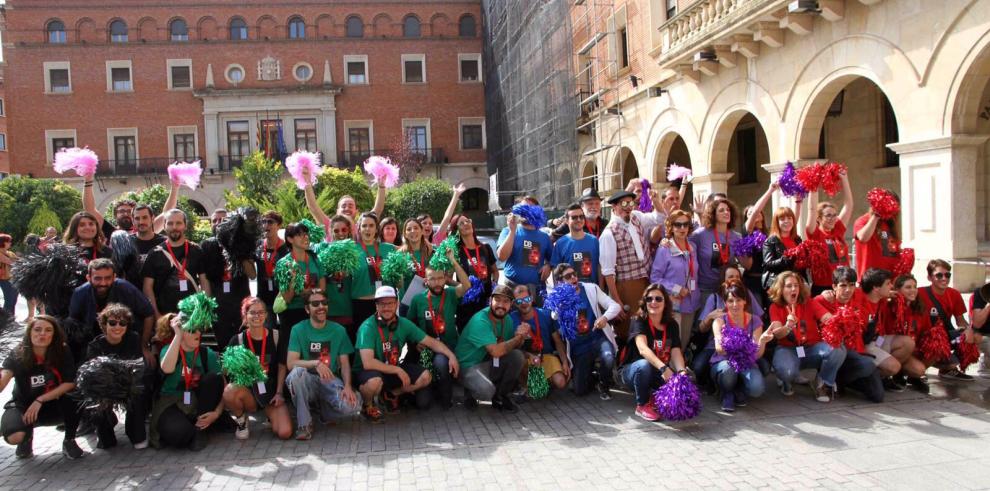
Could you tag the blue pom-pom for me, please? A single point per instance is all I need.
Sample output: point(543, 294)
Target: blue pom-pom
point(679, 399)
point(474, 293)
point(740, 349)
point(563, 300)
point(750, 245)
point(789, 185)
point(531, 213)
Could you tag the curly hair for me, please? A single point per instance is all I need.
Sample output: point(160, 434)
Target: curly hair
point(708, 219)
point(117, 311)
point(668, 309)
point(776, 292)
point(674, 215)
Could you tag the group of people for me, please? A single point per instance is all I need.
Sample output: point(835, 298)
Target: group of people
point(657, 292)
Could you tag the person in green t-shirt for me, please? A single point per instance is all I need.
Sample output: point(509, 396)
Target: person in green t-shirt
point(379, 341)
point(434, 312)
point(319, 364)
point(297, 235)
point(342, 286)
point(373, 253)
point(489, 347)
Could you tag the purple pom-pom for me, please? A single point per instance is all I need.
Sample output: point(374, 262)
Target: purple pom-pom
point(789, 185)
point(749, 245)
point(474, 293)
point(533, 214)
point(679, 399)
point(645, 202)
point(563, 300)
point(740, 349)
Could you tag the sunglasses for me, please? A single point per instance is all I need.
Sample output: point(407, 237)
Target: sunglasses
point(681, 224)
point(657, 299)
point(318, 303)
point(526, 299)
point(568, 275)
point(942, 276)
point(576, 217)
point(627, 204)
point(116, 323)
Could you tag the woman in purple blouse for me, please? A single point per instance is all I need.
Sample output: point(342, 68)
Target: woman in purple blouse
point(676, 268)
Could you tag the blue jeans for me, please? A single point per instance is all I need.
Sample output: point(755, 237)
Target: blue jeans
point(727, 379)
point(307, 388)
point(604, 352)
point(641, 377)
point(821, 356)
point(9, 296)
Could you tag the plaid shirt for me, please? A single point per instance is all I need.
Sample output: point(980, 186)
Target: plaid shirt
point(627, 265)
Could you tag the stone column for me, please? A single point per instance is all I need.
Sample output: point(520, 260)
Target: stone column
point(938, 203)
point(711, 183)
point(212, 140)
point(329, 135)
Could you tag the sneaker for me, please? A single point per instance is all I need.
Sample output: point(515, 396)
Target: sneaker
point(741, 399)
point(198, 442)
point(304, 432)
point(86, 427)
point(900, 380)
point(104, 443)
point(508, 405)
point(391, 402)
point(372, 413)
point(890, 385)
point(141, 445)
point(242, 432)
point(919, 384)
point(603, 392)
point(470, 403)
point(647, 412)
point(24, 449)
point(728, 402)
point(823, 393)
point(71, 450)
point(954, 374)
point(785, 389)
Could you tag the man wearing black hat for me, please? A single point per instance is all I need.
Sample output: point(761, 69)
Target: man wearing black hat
point(591, 204)
point(490, 354)
point(625, 256)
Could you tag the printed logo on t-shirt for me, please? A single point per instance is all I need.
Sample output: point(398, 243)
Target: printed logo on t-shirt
point(193, 381)
point(532, 252)
point(581, 262)
point(583, 326)
point(888, 247)
point(320, 351)
point(836, 251)
point(716, 256)
point(37, 381)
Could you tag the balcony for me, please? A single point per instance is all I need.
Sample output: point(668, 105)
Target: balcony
point(135, 167)
point(350, 159)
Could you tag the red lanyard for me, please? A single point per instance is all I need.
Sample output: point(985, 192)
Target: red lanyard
point(499, 331)
point(306, 280)
point(186, 372)
point(538, 339)
point(723, 250)
point(264, 344)
point(689, 261)
point(388, 345)
point(421, 266)
point(796, 311)
point(270, 259)
point(665, 355)
point(185, 258)
point(40, 360)
point(593, 230)
point(376, 261)
point(429, 301)
point(476, 265)
point(728, 321)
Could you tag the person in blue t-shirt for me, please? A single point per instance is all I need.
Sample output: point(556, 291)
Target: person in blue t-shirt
point(545, 346)
point(578, 248)
point(526, 252)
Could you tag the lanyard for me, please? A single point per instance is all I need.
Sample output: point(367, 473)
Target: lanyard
point(689, 261)
point(381, 335)
point(477, 265)
point(421, 265)
point(186, 372)
point(663, 343)
point(375, 260)
point(501, 327)
point(429, 301)
point(593, 230)
point(306, 281)
point(40, 360)
point(270, 259)
point(728, 321)
point(796, 311)
point(264, 344)
point(538, 339)
point(185, 258)
point(723, 250)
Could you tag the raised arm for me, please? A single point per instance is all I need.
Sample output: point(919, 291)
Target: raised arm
point(89, 201)
point(760, 205)
point(312, 204)
point(448, 214)
point(847, 200)
point(379, 207)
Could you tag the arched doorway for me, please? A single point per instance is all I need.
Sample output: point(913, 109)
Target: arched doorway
point(741, 149)
point(589, 178)
point(474, 204)
point(851, 121)
point(671, 150)
point(627, 169)
point(198, 208)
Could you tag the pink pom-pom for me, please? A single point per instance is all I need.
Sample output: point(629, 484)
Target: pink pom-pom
point(301, 163)
point(82, 160)
point(185, 173)
point(382, 170)
point(883, 203)
point(676, 172)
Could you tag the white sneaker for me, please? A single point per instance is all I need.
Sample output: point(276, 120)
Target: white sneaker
point(242, 432)
point(141, 445)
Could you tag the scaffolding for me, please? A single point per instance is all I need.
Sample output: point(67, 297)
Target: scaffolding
point(530, 98)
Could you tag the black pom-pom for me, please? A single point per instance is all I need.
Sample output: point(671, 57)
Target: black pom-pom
point(50, 277)
point(107, 381)
point(238, 234)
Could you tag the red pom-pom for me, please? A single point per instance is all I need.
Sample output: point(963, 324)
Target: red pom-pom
point(831, 177)
point(905, 262)
point(969, 353)
point(902, 318)
point(811, 254)
point(810, 177)
point(846, 324)
point(883, 203)
point(934, 345)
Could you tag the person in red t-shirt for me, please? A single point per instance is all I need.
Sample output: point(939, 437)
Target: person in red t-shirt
point(913, 322)
point(799, 344)
point(830, 228)
point(877, 242)
point(945, 305)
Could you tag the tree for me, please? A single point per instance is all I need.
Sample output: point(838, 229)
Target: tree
point(334, 183)
point(257, 178)
point(21, 197)
point(409, 159)
point(43, 218)
point(429, 195)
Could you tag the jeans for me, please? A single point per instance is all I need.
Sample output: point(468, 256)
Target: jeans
point(701, 365)
point(485, 381)
point(9, 296)
point(604, 352)
point(821, 357)
point(727, 379)
point(860, 373)
point(642, 378)
point(307, 388)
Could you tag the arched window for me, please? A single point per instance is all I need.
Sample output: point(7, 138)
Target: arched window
point(410, 27)
point(297, 28)
point(467, 27)
point(355, 27)
point(118, 31)
point(238, 29)
point(56, 32)
point(178, 30)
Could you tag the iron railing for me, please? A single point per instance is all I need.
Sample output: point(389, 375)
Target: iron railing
point(350, 159)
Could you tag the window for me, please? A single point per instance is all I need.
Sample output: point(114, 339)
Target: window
point(306, 134)
point(416, 138)
point(179, 74)
point(671, 8)
point(410, 27)
point(357, 69)
point(623, 48)
point(234, 74)
point(355, 27)
point(238, 29)
point(467, 27)
point(119, 76)
point(58, 80)
point(302, 71)
point(125, 150)
point(359, 141)
point(238, 140)
point(1, 108)
point(472, 133)
point(3, 142)
point(413, 69)
point(60, 143)
point(297, 28)
point(56, 32)
point(118, 31)
point(178, 30)
point(184, 147)
point(469, 67)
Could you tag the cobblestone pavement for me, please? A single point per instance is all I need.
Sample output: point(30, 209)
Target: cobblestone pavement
point(912, 441)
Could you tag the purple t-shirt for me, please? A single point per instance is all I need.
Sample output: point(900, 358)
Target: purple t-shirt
point(709, 256)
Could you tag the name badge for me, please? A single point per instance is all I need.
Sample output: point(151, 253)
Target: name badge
point(879, 341)
point(183, 285)
point(271, 285)
point(494, 362)
point(261, 388)
point(187, 398)
point(226, 287)
point(800, 351)
point(692, 285)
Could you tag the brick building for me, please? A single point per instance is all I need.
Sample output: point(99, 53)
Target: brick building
point(144, 83)
point(4, 154)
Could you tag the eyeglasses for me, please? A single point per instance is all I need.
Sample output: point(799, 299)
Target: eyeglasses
point(829, 216)
point(942, 276)
point(256, 313)
point(318, 303)
point(268, 221)
point(657, 299)
point(464, 221)
point(568, 275)
point(576, 217)
point(627, 204)
point(681, 224)
point(115, 323)
point(526, 299)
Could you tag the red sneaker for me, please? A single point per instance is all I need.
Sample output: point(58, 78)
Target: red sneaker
point(647, 412)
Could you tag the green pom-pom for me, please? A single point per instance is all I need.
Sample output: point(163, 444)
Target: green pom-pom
point(316, 232)
point(283, 274)
point(341, 256)
point(439, 260)
point(242, 366)
point(199, 312)
point(396, 267)
point(536, 383)
point(426, 361)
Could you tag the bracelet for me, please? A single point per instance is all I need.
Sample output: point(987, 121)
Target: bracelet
point(38, 401)
point(88, 185)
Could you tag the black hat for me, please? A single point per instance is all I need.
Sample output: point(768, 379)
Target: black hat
point(504, 291)
point(589, 194)
point(619, 196)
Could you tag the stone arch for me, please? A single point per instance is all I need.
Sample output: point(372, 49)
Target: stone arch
point(758, 101)
point(439, 25)
point(589, 175)
point(622, 167)
point(147, 29)
point(86, 30)
point(198, 207)
point(723, 131)
point(382, 25)
point(267, 27)
point(965, 102)
point(324, 27)
point(739, 147)
point(207, 28)
point(672, 148)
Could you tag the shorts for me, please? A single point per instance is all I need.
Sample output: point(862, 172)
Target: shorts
point(551, 365)
point(880, 353)
point(390, 381)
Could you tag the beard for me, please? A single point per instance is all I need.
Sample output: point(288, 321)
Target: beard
point(175, 235)
point(125, 223)
point(496, 314)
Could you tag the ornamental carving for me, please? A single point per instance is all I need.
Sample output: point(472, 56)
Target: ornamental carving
point(269, 68)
